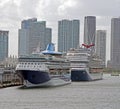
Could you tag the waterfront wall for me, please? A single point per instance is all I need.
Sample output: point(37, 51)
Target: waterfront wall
point(9, 78)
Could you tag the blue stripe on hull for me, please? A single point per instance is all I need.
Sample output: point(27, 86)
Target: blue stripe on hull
point(35, 77)
point(80, 75)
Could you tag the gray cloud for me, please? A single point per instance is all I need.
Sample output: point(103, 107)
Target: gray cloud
point(28, 8)
point(14, 11)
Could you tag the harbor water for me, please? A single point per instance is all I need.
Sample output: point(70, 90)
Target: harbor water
point(102, 94)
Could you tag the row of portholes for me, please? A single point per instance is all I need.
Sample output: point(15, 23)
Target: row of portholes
point(30, 66)
point(30, 63)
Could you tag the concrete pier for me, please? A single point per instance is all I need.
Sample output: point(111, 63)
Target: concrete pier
point(9, 78)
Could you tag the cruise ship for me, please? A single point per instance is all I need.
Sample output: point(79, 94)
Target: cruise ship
point(85, 65)
point(44, 69)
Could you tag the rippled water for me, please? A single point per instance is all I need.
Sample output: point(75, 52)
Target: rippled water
point(103, 94)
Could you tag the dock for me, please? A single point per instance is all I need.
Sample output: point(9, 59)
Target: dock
point(9, 78)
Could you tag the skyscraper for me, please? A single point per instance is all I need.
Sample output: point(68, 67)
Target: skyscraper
point(3, 44)
point(89, 29)
point(100, 44)
point(115, 43)
point(48, 35)
point(68, 34)
point(33, 34)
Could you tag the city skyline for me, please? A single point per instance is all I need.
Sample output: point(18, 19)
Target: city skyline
point(14, 11)
point(81, 41)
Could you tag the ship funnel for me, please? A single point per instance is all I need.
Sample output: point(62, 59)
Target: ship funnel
point(51, 50)
point(50, 47)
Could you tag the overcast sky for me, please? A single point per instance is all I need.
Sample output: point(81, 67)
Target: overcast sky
point(12, 12)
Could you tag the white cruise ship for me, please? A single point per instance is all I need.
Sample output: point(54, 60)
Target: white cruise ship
point(44, 69)
point(85, 66)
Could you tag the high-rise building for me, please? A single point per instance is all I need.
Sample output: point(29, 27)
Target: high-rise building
point(33, 34)
point(100, 44)
point(115, 43)
point(48, 36)
point(3, 45)
point(89, 29)
point(68, 34)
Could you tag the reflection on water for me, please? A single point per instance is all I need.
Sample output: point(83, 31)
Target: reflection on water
point(103, 94)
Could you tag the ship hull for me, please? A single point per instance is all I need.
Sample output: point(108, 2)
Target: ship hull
point(42, 79)
point(83, 75)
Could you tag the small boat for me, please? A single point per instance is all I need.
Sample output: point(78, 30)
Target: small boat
point(44, 69)
point(114, 74)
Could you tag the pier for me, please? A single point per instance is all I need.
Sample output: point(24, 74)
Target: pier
point(9, 78)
